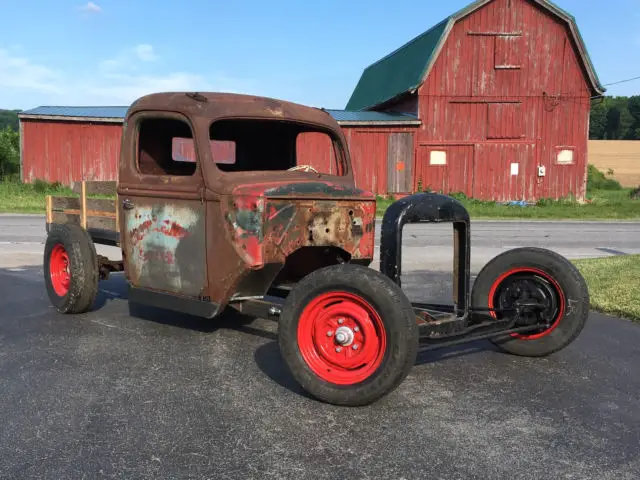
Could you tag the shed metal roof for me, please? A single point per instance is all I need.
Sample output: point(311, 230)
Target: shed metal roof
point(406, 68)
point(343, 117)
point(93, 112)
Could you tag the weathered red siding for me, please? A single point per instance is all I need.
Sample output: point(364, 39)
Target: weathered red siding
point(58, 151)
point(492, 101)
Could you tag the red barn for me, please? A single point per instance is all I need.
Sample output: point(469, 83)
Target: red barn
point(493, 101)
point(503, 91)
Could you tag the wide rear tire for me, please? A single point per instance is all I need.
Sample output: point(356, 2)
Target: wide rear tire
point(70, 268)
point(348, 334)
point(542, 275)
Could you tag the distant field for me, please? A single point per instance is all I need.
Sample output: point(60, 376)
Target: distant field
point(622, 156)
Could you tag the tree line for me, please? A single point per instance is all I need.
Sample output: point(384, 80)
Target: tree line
point(615, 118)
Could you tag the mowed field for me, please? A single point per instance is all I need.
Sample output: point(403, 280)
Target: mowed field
point(622, 156)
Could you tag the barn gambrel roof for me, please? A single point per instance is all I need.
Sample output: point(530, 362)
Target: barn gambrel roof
point(405, 69)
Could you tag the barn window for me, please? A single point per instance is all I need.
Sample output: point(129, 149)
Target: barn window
point(437, 157)
point(507, 52)
point(267, 145)
point(564, 155)
point(156, 154)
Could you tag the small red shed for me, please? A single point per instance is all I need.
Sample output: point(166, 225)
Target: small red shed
point(69, 144)
point(503, 90)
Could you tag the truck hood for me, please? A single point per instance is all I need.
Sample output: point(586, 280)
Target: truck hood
point(307, 190)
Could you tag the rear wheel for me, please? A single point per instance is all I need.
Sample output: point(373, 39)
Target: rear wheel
point(348, 334)
point(541, 276)
point(70, 268)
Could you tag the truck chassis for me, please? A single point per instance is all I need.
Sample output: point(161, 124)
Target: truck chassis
point(341, 326)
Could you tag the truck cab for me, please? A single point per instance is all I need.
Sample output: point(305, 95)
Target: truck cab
point(222, 196)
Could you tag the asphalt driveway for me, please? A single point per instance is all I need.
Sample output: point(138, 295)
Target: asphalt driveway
point(152, 394)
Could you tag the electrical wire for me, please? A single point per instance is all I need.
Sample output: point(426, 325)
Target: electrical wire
point(621, 81)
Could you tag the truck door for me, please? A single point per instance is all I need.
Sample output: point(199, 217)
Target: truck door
point(161, 207)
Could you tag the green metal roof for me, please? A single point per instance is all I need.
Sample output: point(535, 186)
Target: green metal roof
point(398, 72)
point(404, 69)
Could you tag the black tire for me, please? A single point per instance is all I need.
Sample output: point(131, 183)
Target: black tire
point(390, 310)
point(79, 293)
point(569, 308)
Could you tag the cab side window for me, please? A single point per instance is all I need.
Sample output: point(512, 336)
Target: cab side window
point(158, 150)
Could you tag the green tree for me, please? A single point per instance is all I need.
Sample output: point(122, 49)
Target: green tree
point(9, 153)
point(598, 122)
point(9, 118)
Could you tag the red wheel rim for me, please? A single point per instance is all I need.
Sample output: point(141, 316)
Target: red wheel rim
point(59, 270)
point(341, 338)
point(544, 276)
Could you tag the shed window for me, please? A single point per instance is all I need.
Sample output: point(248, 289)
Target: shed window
point(437, 157)
point(507, 52)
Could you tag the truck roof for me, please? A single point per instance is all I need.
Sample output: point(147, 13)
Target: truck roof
point(214, 105)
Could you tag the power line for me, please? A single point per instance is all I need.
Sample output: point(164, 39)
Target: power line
point(622, 81)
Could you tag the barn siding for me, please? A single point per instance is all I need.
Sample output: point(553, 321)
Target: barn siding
point(508, 99)
point(59, 151)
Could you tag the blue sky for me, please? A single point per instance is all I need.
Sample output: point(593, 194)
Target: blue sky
point(109, 52)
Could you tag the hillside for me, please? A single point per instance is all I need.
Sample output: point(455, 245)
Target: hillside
point(10, 118)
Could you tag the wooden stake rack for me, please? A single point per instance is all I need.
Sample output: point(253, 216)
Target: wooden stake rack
point(89, 213)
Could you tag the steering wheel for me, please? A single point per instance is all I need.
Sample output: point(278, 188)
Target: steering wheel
point(303, 168)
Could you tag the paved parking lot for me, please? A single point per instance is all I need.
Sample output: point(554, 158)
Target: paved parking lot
point(132, 392)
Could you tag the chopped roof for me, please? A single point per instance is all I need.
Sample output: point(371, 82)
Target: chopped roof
point(118, 113)
point(404, 69)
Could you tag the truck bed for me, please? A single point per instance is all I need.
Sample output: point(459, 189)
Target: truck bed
point(94, 209)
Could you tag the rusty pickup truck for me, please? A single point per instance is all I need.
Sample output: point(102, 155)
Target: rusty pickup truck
point(216, 207)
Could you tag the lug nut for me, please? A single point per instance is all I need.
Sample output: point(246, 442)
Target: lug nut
point(329, 333)
point(341, 320)
point(356, 329)
point(338, 349)
point(355, 347)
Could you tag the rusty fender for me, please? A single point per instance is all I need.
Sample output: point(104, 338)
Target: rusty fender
point(268, 230)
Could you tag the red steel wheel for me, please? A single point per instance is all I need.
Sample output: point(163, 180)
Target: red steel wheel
point(341, 337)
point(534, 275)
point(348, 334)
point(70, 268)
point(59, 270)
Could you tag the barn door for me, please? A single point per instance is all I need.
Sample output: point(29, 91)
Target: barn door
point(445, 168)
point(500, 171)
point(399, 162)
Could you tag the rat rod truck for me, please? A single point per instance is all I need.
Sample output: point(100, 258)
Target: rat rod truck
point(218, 208)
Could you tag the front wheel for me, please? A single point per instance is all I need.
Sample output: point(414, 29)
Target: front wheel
point(348, 334)
point(534, 275)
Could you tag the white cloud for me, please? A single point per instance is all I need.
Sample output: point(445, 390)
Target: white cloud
point(129, 58)
point(20, 72)
point(91, 7)
point(123, 89)
point(145, 53)
point(119, 80)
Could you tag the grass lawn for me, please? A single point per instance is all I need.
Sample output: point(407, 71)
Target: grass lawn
point(603, 205)
point(614, 284)
point(17, 197)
